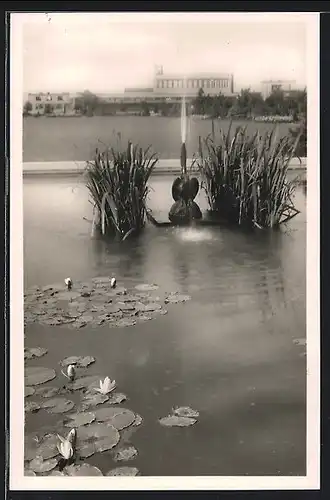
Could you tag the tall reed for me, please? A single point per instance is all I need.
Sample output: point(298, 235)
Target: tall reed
point(117, 181)
point(245, 178)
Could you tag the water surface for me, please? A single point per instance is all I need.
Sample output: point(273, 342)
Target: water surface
point(228, 353)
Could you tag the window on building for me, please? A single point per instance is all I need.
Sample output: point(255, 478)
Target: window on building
point(38, 98)
point(58, 106)
point(59, 98)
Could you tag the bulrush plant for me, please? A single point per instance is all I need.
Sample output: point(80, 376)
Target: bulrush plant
point(117, 181)
point(245, 178)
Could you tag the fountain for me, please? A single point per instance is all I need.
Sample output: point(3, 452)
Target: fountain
point(184, 188)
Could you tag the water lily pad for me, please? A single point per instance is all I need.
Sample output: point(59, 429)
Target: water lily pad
point(123, 471)
point(80, 361)
point(301, 341)
point(47, 391)
point(28, 472)
point(58, 405)
point(83, 470)
point(32, 406)
point(51, 321)
point(79, 323)
point(45, 448)
point(175, 298)
point(175, 421)
point(93, 399)
point(35, 375)
point(146, 287)
point(142, 317)
point(125, 306)
point(57, 473)
point(117, 398)
point(102, 280)
point(29, 317)
point(85, 319)
point(120, 418)
point(34, 352)
point(185, 411)
point(39, 465)
point(127, 453)
point(125, 322)
point(85, 382)
point(86, 450)
point(79, 419)
point(138, 420)
point(28, 391)
point(102, 435)
point(68, 295)
point(130, 298)
point(152, 306)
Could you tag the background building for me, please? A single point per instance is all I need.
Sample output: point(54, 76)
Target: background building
point(270, 86)
point(172, 87)
point(51, 103)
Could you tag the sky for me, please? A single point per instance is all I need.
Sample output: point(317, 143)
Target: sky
point(106, 53)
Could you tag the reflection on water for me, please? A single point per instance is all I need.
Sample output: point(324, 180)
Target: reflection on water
point(194, 234)
point(229, 352)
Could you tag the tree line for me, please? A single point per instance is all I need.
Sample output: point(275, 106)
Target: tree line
point(246, 105)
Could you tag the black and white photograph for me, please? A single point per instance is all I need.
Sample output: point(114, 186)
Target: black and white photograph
point(164, 251)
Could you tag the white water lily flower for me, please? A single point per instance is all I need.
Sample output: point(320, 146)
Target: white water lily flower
point(113, 283)
point(68, 282)
point(106, 386)
point(65, 448)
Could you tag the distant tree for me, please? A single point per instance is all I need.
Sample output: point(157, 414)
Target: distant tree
point(145, 109)
point(199, 103)
point(277, 104)
point(87, 102)
point(27, 108)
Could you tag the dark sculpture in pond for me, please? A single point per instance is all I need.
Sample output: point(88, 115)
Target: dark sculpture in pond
point(184, 190)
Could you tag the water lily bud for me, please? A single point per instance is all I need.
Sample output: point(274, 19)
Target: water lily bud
point(71, 372)
point(113, 283)
point(68, 282)
point(72, 436)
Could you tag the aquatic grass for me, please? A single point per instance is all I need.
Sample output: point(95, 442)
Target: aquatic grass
point(245, 177)
point(117, 181)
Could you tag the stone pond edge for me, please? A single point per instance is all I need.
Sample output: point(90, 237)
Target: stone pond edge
point(164, 166)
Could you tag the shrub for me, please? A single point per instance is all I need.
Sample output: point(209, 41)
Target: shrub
point(245, 178)
point(117, 181)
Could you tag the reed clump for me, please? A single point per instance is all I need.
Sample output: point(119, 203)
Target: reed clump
point(245, 178)
point(117, 181)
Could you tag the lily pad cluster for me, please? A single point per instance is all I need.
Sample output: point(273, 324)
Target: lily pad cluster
point(89, 430)
point(94, 303)
point(183, 416)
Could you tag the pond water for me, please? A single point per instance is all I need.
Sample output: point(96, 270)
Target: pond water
point(75, 139)
point(234, 352)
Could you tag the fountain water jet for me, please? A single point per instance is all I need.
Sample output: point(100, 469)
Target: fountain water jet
point(184, 189)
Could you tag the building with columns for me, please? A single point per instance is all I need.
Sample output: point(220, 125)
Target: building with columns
point(172, 87)
point(179, 85)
